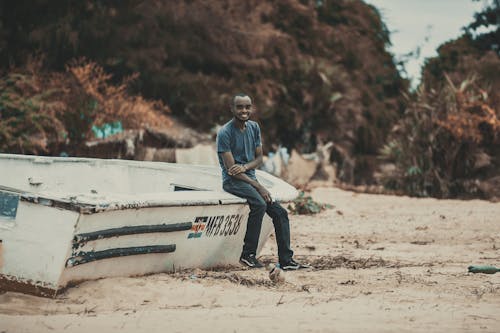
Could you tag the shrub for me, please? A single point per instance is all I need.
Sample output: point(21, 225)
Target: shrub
point(28, 110)
point(40, 111)
point(113, 102)
point(445, 140)
point(303, 205)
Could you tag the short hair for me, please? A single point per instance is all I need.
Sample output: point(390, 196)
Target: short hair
point(241, 94)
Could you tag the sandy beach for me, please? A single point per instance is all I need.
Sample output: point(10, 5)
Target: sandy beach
point(380, 264)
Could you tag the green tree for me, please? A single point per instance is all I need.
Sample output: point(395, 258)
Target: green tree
point(488, 19)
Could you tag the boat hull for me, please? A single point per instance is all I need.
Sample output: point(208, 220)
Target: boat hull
point(51, 240)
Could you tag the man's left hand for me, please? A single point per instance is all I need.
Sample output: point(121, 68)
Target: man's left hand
point(236, 169)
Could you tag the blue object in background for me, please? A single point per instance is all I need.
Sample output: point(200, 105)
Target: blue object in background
point(107, 129)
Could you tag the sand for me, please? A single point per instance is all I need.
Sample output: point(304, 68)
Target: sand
point(381, 264)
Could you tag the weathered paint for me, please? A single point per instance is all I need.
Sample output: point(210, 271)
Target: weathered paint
point(79, 219)
point(35, 245)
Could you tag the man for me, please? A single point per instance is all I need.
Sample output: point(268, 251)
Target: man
point(240, 152)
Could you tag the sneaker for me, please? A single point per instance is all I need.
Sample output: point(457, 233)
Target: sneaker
point(293, 265)
point(250, 261)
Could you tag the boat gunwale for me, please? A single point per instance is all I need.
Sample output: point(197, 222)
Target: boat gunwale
point(92, 208)
point(72, 201)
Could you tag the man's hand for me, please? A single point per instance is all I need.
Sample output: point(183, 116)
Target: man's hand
point(264, 193)
point(236, 169)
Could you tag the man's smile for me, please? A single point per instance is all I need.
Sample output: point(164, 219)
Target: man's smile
point(242, 108)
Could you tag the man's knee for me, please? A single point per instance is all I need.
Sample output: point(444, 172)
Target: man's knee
point(258, 206)
point(282, 211)
point(278, 211)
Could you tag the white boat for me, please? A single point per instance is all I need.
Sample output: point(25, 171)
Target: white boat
point(66, 220)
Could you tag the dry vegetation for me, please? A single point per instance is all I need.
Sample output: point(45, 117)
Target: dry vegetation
point(446, 144)
point(319, 72)
point(44, 112)
point(114, 101)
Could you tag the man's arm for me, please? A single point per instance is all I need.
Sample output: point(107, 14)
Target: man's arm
point(238, 171)
point(241, 168)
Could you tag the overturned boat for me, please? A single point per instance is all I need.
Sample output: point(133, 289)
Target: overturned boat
point(66, 220)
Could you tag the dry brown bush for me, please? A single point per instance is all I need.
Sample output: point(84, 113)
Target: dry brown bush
point(28, 111)
point(446, 144)
point(114, 101)
point(470, 118)
point(45, 112)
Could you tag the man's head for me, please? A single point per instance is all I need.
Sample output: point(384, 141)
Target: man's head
point(241, 107)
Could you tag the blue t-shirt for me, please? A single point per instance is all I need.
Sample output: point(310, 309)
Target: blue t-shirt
point(241, 144)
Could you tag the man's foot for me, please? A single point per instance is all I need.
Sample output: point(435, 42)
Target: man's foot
point(293, 265)
point(250, 261)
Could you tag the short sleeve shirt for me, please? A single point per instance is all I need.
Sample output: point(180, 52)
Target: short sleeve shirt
point(241, 144)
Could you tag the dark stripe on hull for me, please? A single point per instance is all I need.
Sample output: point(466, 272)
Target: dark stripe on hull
point(86, 257)
point(133, 230)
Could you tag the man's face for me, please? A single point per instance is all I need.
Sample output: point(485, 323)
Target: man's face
point(242, 108)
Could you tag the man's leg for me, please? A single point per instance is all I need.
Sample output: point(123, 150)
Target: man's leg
point(257, 211)
point(282, 230)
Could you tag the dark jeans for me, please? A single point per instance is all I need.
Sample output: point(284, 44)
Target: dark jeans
point(257, 209)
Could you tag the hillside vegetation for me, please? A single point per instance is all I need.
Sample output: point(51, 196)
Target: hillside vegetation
point(319, 72)
point(447, 144)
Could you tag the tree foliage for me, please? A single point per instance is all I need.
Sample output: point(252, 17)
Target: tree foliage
point(317, 70)
point(28, 112)
point(448, 142)
point(45, 112)
point(445, 142)
point(476, 51)
point(488, 19)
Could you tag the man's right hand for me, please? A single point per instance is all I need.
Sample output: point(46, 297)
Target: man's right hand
point(264, 193)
